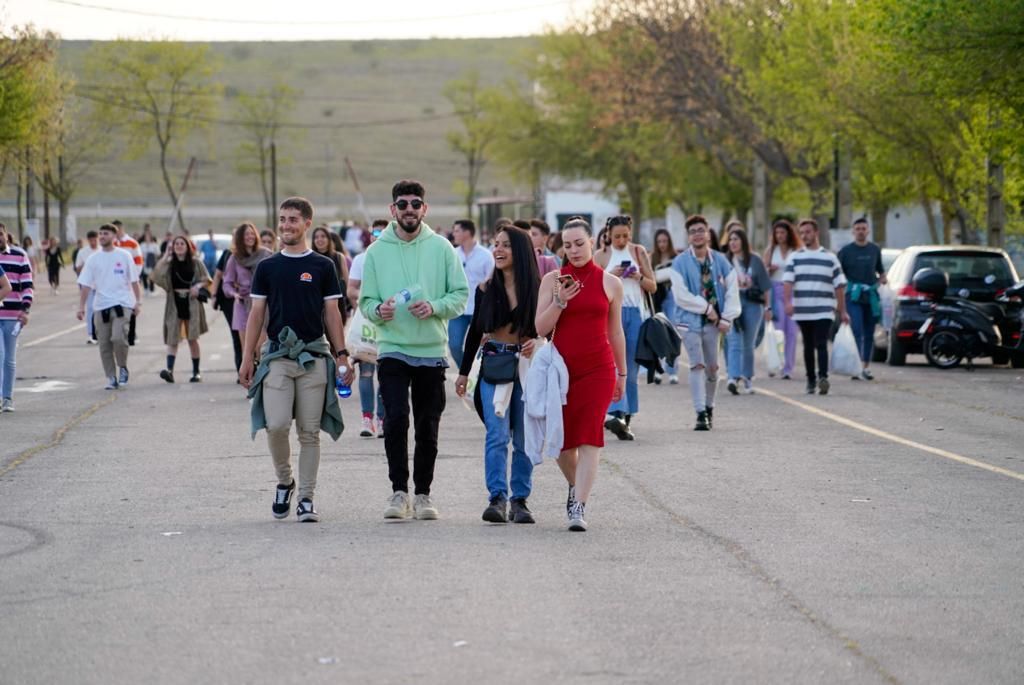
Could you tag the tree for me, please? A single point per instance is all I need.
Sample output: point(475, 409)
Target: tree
point(27, 76)
point(262, 114)
point(469, 100)
point(161, 90)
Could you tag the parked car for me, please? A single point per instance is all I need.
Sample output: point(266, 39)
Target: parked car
point(975, 273)
point(889, 255)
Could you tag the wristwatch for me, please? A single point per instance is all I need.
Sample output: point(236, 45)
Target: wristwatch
point(341, 353)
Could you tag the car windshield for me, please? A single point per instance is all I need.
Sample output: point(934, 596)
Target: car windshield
point(970, 269)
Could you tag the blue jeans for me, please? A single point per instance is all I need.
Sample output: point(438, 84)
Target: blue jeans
point(499, 431)
point(862, 321)
point(8, 347)
point(366, 392)
point(630, 401)
point(457, 329)
point(741, 344)
point(668, 308)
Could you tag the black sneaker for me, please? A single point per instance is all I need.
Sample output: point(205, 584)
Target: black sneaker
point(619, 428)
point(711, 417)
point(702, 422)
point(283, 500)
point(823, 386)
point(196, 378)
point(305, 511)
point(733, 387)
point(811, 388)
point(496, 511)
point(520, 513)
point(167, 375)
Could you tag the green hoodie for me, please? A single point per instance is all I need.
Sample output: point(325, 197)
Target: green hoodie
point(428, 261)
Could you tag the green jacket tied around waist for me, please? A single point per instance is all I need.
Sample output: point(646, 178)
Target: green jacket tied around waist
point(305, 354)
point(857, 291)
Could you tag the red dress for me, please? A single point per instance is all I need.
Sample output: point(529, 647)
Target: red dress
point(581, 337)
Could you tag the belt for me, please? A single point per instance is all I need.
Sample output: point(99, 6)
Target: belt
point(502, 347)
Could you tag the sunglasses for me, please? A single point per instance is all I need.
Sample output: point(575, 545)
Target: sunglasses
point(697, 231)
point(402, 204)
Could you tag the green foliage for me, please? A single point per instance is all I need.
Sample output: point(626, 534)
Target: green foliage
point(30, 88)
point(470, 99)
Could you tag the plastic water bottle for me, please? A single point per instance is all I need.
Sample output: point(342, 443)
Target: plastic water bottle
point(408, 295)
point(344, 390)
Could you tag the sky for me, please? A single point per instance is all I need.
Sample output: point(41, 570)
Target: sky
point(294, 20)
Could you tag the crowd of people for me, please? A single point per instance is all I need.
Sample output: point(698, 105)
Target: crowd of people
point(545, 328)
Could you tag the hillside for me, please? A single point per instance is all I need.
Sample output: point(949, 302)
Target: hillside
point(340, 82)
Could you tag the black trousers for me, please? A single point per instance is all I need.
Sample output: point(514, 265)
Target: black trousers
point(426, 383)
point(815, 338)
point(236, 336)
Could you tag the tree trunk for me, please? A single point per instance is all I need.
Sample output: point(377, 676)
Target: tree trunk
point(996, 213)
point(879, 216)
point(170, 187)
point(64, 206)
point(845, 189)
point(759, 226)
point(18, 207)
point(820, 187)
point(929, 215)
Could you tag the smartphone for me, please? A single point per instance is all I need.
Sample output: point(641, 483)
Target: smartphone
point(626, 263)
point(566, 280)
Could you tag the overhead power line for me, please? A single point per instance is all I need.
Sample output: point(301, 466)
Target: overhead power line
point(395, 19)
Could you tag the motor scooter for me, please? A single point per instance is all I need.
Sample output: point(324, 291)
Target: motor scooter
point(957, 328)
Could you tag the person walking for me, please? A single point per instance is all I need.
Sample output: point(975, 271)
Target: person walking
point(14, 312)
point(367, 393)
point(814, 285)
point(784, 242)
point(54, 258)
point(208, 252)
point(413, 283)
point(112, 276)
point(293, 295)
point(755, 287)
point(505, 308)
point(150, 255)
point(704, 286)
point(245, 255)
point(629, 262)
point(89, 249)
point(662, 255)
point(268, 239)
point(861, 261)
point(183, 275)
point(478, 265)
point(326, 243)
point(581, 306)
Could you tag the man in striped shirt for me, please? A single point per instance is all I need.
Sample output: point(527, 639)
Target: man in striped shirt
point(814, 286)
point(13, 312)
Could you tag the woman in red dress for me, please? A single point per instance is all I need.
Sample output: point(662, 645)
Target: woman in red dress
point(582, 304)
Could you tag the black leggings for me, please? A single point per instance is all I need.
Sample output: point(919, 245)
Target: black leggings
point(236, 336)
point(815, 339)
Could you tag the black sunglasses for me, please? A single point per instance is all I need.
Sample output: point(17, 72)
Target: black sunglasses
point(402, 204)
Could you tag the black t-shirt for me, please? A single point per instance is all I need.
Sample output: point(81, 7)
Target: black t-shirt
point(295, 288)
point(861, 264)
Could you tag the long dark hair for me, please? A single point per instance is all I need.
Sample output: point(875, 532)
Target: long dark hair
point(656, 254)
point(238, 246)
point(744, 244)
point(495, 311)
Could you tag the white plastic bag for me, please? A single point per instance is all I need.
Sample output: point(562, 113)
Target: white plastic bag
point(361, 339)
point(888, 301)
point(845, 357)
point(774, 344)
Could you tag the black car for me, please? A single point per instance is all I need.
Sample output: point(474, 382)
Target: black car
point(975, 273)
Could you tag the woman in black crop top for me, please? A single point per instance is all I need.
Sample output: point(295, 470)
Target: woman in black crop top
point(505, 309)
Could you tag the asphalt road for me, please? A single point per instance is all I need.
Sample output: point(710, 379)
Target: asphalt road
point(873, 535)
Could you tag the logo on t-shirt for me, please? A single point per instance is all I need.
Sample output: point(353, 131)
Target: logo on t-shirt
point(118, 269)
point(306, 277)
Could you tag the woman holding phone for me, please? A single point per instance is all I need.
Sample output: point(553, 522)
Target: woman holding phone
point(582, 305)
point(628, 261)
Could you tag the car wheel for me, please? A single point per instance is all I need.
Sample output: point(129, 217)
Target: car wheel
point(897, 352)
point(944, 348)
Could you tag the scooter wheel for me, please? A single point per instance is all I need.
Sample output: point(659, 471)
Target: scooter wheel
point(944, 348)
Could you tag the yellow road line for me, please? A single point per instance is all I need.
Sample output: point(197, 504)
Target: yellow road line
point(945, 454)
point(57, 436)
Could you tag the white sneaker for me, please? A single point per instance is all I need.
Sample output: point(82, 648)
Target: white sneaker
point(576, 522)
point(424, 509)
point(748, 387)
point(398, 506)
point(673, 379)
point(8, 405)
point(111, 383)
point(368, 430)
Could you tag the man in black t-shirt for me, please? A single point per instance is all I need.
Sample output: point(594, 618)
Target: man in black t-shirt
point(295, 290)
point(862, 265)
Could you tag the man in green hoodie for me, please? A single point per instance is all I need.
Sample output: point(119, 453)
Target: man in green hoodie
point(413, 283)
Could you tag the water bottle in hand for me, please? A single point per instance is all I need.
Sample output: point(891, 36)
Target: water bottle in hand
point(344, 390)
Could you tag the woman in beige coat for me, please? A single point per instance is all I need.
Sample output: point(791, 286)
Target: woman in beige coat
point(187, 283)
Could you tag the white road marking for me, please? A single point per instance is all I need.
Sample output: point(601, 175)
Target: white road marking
point(47, 338)
point(945, 454)
point(48, 386)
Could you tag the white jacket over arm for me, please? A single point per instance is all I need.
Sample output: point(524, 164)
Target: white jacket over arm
point(546, 392)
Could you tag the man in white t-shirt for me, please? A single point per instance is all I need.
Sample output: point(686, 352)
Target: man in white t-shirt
point(478, 264)
point(111, 275)
point(89, 249)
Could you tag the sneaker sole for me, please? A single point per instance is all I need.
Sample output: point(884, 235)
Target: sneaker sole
point(393, 514)
point(365, 434)
point(309, 518)
point(428, 515)
point(493, 517)
point(578, 526)
point(523, 519)
point(280, 516)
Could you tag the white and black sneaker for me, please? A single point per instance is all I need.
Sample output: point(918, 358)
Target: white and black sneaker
point(305, 511)
point(576, 522)
point(111, 383)
point(122, 377)
point(283, 500)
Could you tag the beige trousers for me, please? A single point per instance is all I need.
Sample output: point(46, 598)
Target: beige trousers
point(292, 393)
point(113, 339)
